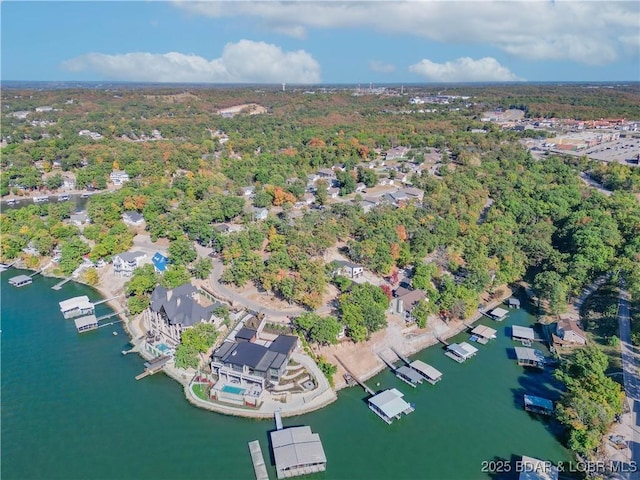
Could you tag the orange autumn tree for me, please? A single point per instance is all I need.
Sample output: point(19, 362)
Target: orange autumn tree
point(280, 196)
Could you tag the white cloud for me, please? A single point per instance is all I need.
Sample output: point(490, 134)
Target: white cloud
point(244, 61)
point(588, 32)
point(464, 69)
point(381, 67)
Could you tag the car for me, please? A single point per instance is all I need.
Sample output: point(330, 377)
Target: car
point(618, 442)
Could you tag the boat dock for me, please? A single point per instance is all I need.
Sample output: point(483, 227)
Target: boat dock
point(362, 384)
point(153, 366)
point(426, 371)
point(105, 300)
point(404, 373)
point(278, 419)
point(442, 341)
point(59, 285)
point(20, 280)
point(257, 458)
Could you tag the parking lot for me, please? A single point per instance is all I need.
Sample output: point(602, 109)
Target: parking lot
point(625, 150)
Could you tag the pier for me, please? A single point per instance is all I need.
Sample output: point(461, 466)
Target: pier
point(153, 366)
point(442, 341)
point(278, 419)
point(59, 285)
point(105, 300)
point(404, 373)
point(424, 370)
point(35, 273)
point(257, 458)
point(362, 384)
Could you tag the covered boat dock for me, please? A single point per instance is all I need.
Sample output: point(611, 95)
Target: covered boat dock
point(86, 323)
point(498, 314)
point(529, 357)
point(460, 351)
point(483, 334)
point(432, 375)
point(389, 405)
point(297, 451)
point(540, 405)
point(76, 306)
point(526, 335)
point(20, 280)
point(409, 375)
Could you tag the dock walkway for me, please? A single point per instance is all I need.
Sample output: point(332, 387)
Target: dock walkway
point(59, 285)
point(362, 384)
point(258, 461)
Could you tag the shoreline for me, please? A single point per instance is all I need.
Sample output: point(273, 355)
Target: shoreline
point(184, 378)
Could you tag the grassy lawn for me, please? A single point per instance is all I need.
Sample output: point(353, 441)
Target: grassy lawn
point(600, 321)
point(201, 390)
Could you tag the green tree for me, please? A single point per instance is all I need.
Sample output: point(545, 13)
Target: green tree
point(182, 252)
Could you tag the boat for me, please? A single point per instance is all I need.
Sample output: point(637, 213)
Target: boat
point(115, 333)
point(40, 199)
point(349, 379)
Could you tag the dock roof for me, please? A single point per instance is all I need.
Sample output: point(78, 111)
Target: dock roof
point(426, 369)
point(522, 332)
point(463, 349)
point(19, 279)
point(85, 321)
point(295, 447)
point(484, 331)
point(390, 402)
point(499, 312)
point(529, 354)
point(534, 469)
point(410, 373)
point(81, 302)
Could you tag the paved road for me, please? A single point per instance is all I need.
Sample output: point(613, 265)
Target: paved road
point(631, 380)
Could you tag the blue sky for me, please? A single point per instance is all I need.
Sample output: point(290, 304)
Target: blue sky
point(328, 42)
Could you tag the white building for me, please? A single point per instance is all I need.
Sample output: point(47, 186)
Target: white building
point(118, 177)
point(125, 263)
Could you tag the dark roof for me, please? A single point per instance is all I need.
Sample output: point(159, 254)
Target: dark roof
point(246, 333)
point(284, 344)
point(179, 306)
point(133, 216)
point(246, 353)
point(345, 263)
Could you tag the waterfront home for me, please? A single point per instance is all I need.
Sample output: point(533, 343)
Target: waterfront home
point(20, 280)
point(568, 333)
point(348, 269)
point(530, 468)
point(483, 334)
point(404, 301)
point(76, 306)
point(526, 335)
point(297, 451)
point(125, 263)
point(159, 262)
point(118, 177)
point(333, 192)
point(389, 405)
point(540, 405)
point(133, 218)
point(529, 357)
point(171, 312)
point(246, 335)
point(248, 363)
point(460, 352)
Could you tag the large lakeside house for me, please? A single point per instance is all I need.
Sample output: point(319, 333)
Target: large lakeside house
point(173, 311)
point(243, 362)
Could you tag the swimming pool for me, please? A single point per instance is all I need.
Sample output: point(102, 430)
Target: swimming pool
point(232, 389)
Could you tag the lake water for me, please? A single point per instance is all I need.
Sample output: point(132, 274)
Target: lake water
point(71, 409)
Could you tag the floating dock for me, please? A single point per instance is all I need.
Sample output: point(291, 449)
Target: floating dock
point(76, 306)
point(404, 373)
point(540, 405)
point(389, 405)
point(257, 458)
point(430, 374)
point(59, 285)
point(86, 323)
point(460, 351)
